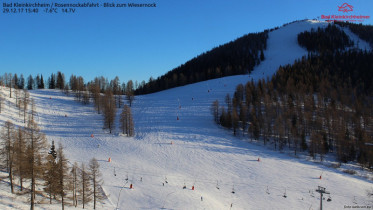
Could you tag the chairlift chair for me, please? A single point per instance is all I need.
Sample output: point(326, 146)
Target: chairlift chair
point(329, 199)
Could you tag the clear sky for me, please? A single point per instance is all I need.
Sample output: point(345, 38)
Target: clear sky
point(136, 43)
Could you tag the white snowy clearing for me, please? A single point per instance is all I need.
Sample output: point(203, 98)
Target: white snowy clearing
point(167, 153)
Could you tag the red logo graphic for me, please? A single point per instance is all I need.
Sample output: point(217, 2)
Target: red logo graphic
point(345, 8)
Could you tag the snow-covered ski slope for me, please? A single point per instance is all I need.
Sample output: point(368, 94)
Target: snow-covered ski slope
point(178, 143)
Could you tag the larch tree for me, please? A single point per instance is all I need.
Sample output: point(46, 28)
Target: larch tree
point(94, 88)
point(235, 121)
point(50, 174)
point(36, 142)
point(115, 86)
point(215, 110)
point(62, 175)
point(10, 84)
point(25, 101)
point(109, 110)
point(20, 155)
point(126, 121)
point(85, 186)
point(74, 183)
point(7, 137)
point(130, 96)
point(1, 102)
point(96, 179)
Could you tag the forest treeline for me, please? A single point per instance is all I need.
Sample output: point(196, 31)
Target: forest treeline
point(365, 32)
point(30, 166)
point(320, 104)
point(236, 57)
point(324, 40)
point(107, 96)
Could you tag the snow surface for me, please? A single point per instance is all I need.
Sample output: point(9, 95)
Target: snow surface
point(193, 150)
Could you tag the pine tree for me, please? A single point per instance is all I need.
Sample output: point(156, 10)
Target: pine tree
point(60, 83)
point(52, 81)
point(52, 151)
point(261, 55)
point(50, 176)
point(30, 83)
point(21, 83)
point(42, 86)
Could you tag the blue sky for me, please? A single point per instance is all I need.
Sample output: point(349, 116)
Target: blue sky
point(136, 43)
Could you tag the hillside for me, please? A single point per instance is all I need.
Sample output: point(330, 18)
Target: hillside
point(177, 141)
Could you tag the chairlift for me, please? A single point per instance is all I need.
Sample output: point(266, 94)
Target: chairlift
point(312, 195)
point(217, 185)
point(329, 199)
point(115, 174)
point(267, 191)
point(233, 192)
point(285, 196)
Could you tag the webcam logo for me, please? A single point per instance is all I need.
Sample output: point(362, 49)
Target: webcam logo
point(345, 8)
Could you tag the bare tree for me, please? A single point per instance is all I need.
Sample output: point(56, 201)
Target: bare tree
point(25, 101)
point(94, 88)
point(74, 176)
point(126, 121)
point(85, 187)
point(215, 110)
point(7, 136)
point(50, 175)
point(1, 102)
point(94, 168)
point(36, 144)
point(20, 155)
point(130, 92)
point(62, 175)
point(109, 110)
point(115, 86)
point(10, 84)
